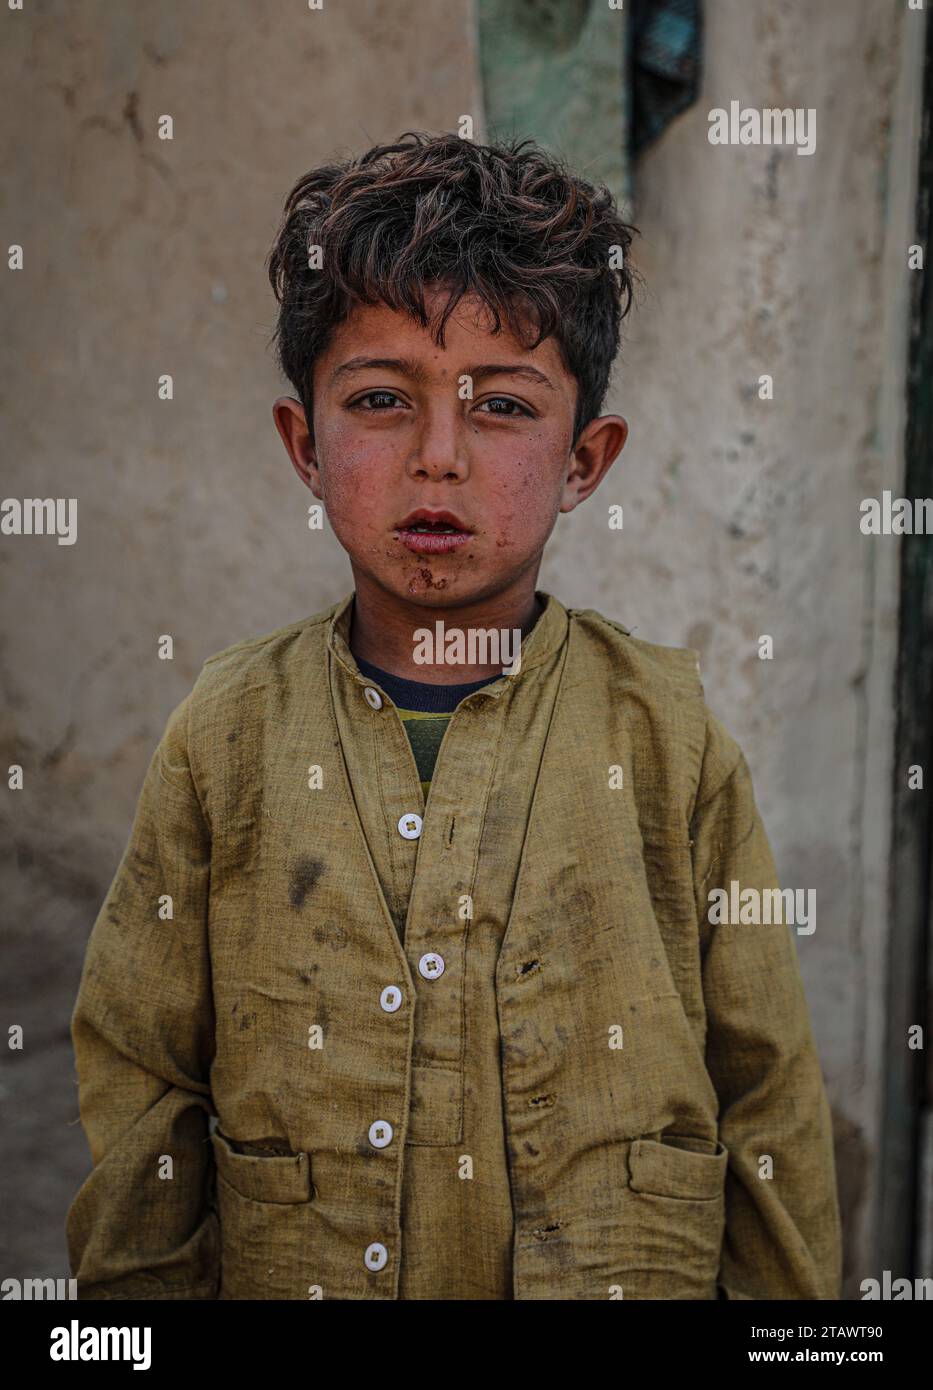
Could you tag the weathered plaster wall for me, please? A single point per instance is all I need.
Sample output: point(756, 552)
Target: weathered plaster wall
point(741, 516)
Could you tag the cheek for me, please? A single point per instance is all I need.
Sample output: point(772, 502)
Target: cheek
point(352, 478)
point(526, 500)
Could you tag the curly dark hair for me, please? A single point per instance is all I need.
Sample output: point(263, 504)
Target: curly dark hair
point(507, 222)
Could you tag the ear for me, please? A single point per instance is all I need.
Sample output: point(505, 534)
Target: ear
point(292, 425)
point(598, 446)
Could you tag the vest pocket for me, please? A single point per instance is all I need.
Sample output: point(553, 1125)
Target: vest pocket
point(266, 1179)
point(264, 1206)
point(678, 1167)
point(644, 1219)
point(674, 1218)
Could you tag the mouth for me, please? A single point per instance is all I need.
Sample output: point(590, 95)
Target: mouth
point(432, 533)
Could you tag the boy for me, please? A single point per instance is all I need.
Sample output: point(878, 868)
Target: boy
point(439, 1007)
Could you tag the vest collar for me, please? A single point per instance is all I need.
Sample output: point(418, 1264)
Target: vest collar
point(546, 637)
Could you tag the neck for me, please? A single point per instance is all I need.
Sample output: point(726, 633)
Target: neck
point(382, 629)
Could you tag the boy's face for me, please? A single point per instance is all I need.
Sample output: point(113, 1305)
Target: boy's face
point(395, 432)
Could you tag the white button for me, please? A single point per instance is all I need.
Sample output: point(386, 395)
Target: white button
point(376, 1255)
point(391, 998)
point(380, 1133)
point(409, 825)
point(373, 697)
point(431, 965)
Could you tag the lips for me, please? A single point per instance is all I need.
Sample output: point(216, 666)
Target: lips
point(424, 518)
point(432, 532)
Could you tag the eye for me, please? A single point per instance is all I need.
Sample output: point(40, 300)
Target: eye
point(375, 395)
point(513, 406)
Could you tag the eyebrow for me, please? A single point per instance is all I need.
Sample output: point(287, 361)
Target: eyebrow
point(407, 367)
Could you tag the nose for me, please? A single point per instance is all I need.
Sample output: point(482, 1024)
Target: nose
point(439, 451)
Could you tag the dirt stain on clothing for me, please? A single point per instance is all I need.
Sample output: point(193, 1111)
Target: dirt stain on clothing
point(305, 875)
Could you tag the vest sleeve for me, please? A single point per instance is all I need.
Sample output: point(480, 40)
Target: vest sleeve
point(782, 1236)
point(142, 1225)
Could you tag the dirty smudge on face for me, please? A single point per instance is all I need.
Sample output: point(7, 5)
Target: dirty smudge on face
point(423, 581)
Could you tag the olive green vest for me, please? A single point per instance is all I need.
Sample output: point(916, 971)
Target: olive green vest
point(598, 987)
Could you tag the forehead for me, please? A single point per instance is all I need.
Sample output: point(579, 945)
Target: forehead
point(379, 330)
